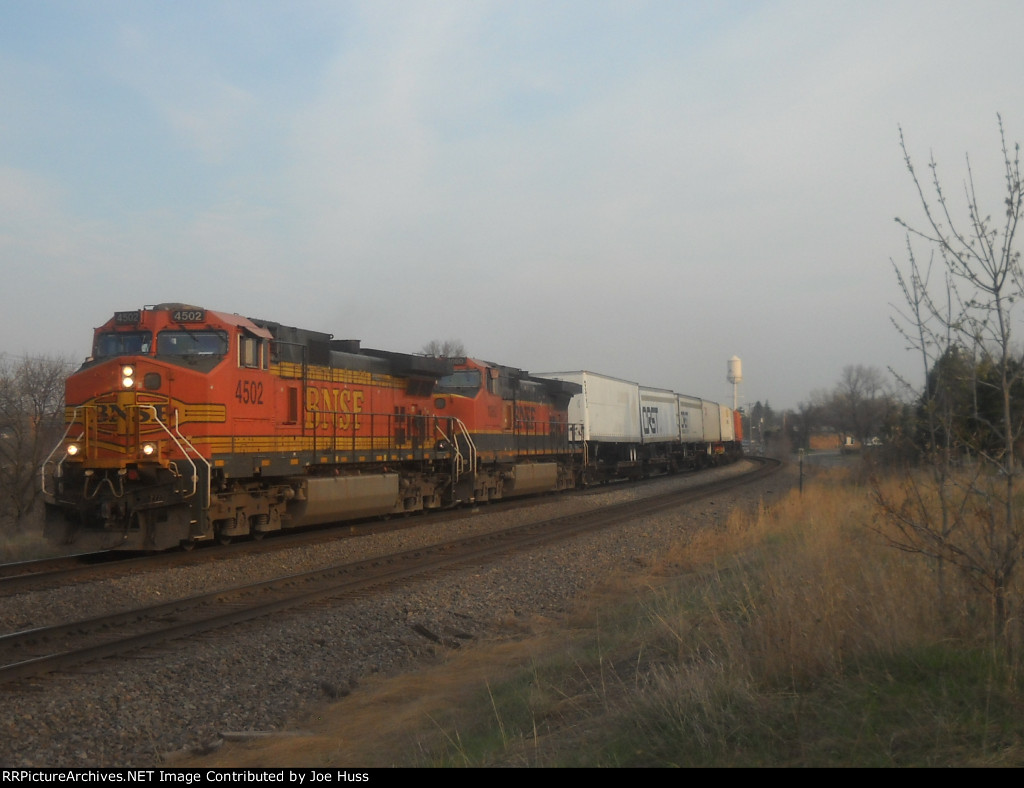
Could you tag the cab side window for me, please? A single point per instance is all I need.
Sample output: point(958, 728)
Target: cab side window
point(248, 352)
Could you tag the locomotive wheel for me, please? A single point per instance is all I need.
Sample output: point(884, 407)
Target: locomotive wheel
point(221, 531)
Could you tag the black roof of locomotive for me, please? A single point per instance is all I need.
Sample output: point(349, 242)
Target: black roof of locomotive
point(298, 345)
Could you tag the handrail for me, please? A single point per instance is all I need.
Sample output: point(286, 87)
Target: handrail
point(182, 442)
point(460, 460)
point(457, 456)
point(206, 462)
point(46, 462)
point(469, 442)
point(363, 426)
point(545, 437)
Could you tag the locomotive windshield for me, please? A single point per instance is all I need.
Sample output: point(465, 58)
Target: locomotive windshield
point(464, 382)
point(192, 343)
point(123, 343)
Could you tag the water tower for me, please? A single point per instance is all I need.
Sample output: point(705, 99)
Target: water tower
point(734, 376)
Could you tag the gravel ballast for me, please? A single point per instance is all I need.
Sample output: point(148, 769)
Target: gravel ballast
point(132, 711)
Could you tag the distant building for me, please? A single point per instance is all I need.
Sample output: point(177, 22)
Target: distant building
point(831, 440)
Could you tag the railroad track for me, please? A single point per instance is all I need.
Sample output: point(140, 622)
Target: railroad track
point(35, 652)
point(50, 572)
point(40, 566)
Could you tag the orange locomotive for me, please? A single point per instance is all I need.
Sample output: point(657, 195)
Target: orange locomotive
point(187, 424)
point(518, 438)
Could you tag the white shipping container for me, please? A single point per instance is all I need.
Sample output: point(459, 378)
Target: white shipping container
point(659, 415)
point(608, 408)
point(728, 425)
point(712, 423)
point(691, 419)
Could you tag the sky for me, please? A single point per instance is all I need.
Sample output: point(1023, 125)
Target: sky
point(640, 189)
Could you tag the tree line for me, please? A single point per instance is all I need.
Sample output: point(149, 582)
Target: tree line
point(961, 281)
point(31, 424)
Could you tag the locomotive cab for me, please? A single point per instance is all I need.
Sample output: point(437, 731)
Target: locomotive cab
point(130, 470)
point(472, 394)
point(519, 428)
point(507, 402)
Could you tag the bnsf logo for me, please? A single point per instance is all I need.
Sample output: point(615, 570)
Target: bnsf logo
point(334, 408)
point(526, 414)
point(112, 413)
point(115, 415)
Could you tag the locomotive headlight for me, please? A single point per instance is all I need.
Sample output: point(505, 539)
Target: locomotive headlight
point(73, 449)
point(127, 376)
point(149, 449)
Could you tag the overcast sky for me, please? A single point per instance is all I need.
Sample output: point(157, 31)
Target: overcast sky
point(642, 189)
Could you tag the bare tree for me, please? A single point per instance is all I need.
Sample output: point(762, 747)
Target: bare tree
point(861, 402)
point(449, 348)
point(31, 420)
point(961, 324)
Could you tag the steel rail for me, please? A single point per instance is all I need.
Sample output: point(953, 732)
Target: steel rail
point(230, 606)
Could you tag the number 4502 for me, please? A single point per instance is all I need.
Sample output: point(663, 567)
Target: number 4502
point(249, 392)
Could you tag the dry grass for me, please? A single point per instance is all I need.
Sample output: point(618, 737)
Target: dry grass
point(788, 637)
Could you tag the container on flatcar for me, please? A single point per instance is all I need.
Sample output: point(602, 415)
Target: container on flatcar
point(728, 423)
point(607, 409)
point(604, 420)
point(659, 416)
point(712, 421)
point(691, 420)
